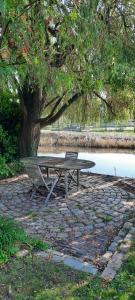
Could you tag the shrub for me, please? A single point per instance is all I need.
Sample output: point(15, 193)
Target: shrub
point(16, 167)
point(10, 117)
point(7, 170)
point(7, 146)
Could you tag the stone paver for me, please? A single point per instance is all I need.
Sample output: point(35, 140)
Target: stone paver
point(91, 224)
point(113, 266)
point(68, 260)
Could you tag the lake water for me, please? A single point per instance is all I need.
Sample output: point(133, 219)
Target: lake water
point(109, 162)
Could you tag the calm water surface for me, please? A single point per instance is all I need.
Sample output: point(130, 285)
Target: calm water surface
point(110, 162)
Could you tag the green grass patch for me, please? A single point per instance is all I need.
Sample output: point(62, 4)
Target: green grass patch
point(38, 279)
point(13, 238)
point(33, 278)
point(107, 218)
point(32, 215)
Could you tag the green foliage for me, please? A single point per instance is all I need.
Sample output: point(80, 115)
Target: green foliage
point(85, 111)
point(38, 244)
point(66, 48)
point(9, 169)
point(16, 166)
point(13, 237)
point(7, 147)
point(5, 170)
point(10, 114)
point(10, 117)
point(100, 46)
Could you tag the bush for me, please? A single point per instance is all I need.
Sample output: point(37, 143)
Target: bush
point(16, 167)
point(7, 146)
point(7, 170)
point(10, 117)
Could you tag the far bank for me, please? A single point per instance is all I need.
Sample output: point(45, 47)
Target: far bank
point(87, 139)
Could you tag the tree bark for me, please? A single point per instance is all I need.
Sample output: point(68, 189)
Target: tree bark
point(31, 106)
point(30, 136)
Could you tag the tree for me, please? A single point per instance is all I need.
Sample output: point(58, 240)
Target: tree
point(53, 52)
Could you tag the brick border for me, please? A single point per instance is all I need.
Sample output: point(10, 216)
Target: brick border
point(117, 258)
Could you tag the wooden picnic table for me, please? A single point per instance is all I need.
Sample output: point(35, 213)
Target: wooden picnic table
point(65, 165)
point(60, 165)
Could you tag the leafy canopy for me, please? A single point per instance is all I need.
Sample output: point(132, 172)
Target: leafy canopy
point(70, 46)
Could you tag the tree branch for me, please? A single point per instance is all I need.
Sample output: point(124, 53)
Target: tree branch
point(28, 6)
point(60, 58)
point(55, 107)
point(123, 18)
point(104, 100)
point(57, 103)
point(51, 101)
point(53, 118)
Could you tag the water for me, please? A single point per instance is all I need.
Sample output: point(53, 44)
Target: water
point(109, 162)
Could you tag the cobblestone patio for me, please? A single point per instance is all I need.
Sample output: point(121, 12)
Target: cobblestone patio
point(90, 225)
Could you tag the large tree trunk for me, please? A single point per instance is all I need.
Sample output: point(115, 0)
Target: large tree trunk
point(32, 104)
point(30, 136)
point(30, 130)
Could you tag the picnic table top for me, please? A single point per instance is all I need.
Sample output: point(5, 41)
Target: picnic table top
point(60, 162)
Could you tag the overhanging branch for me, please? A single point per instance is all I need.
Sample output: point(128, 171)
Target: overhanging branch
point(57, 104)
point(54, 107)
point(104, 100)
point(51, 101)
point(53, 118)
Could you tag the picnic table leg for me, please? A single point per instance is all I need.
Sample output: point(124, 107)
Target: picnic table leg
point(78, 177)
point(47, 171)
point(66, 183)
point(51, 190)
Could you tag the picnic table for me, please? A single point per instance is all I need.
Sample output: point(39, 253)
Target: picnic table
point(65, 166)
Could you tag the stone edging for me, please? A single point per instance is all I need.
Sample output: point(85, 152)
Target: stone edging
point(59, 257)
point(68, 260)
point(117, 258)
point(116, 243)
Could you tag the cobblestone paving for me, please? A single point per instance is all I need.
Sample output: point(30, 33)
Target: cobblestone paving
point(86, 225)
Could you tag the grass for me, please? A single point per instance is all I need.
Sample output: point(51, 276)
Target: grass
point(13, 238)
point(32, 215)
point(33, 278)
point(36, 279)
point(121, 288)
point(114, 133)
point(107, 218)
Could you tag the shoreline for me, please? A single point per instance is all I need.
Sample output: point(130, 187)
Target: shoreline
point(86, 139)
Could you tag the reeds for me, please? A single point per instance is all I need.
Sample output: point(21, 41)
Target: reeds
point(49, 138)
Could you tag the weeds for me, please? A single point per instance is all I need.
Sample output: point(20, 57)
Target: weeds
point(13, 238)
